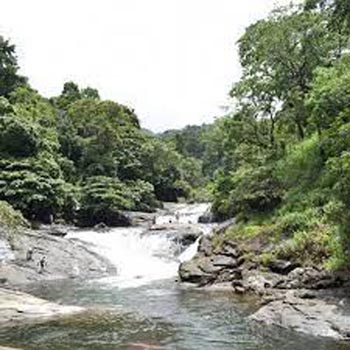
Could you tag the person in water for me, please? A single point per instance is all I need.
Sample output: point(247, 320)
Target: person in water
point(42, 264)
point(177, 216)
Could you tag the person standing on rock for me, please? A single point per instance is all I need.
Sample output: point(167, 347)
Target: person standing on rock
point(42, 264)
point(29, 255)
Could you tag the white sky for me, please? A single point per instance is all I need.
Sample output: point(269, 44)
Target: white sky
point(174, 61)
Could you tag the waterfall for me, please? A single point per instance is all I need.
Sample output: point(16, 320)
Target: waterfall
point(143, 256)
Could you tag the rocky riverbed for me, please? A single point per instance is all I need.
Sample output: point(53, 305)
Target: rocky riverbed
point(306, 299)
point(65, 258)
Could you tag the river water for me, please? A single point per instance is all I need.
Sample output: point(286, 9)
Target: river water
point(143, 307)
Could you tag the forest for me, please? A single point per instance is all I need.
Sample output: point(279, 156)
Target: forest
point(279, 162)
point(78, 159)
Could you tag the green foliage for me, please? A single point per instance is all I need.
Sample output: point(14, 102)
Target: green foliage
point(302, 163)
point(329, 99)
point(249, 190)
point(103, 198)
point(18, 138)
point(9, 79)
point(282, 160)
point(310, 247)
point(29, 186)
point(10, 217)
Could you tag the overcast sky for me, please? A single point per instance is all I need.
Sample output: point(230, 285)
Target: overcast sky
point(174, 61)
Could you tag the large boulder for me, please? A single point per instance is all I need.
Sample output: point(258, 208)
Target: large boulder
point(140, 218)
point(182, 234)
point(66, 258)
point(224, 261)
point(282, 267)
point(206, 218)
point(205, 246)
point(190, 271)
point(315, 317)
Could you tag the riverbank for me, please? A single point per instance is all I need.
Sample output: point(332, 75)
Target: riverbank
point(306, 299)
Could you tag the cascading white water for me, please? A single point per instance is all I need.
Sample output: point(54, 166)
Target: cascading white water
point(142, 256)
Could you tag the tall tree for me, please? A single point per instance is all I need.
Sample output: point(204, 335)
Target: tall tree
point(278, 56)
point(9, 77)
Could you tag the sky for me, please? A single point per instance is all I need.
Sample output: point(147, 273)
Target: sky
point(173, 61)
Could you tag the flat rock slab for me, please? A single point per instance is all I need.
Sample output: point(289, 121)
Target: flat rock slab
point(66, 258)
point(316, 317)
point(19, 307)
point(224, 261)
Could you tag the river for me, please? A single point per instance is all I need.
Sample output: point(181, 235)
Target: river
point(143, 307)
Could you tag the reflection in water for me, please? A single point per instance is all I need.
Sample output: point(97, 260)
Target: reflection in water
point(161, 315)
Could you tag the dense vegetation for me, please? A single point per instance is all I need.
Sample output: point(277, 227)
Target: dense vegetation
point(280, 163)
point(78, 158)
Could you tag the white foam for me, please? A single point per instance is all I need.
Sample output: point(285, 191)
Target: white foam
point(141, 256)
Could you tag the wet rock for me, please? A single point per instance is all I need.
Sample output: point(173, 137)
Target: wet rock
point(224, 261)
point(191, 272)
point(311, 278)
point(206, 218)
point(66, 258)
point(205, 246)
point(316, 317)
point(282, 267)
point(209, 267)
point(239, 290)
point(20, 307)
point(258, 281)
point(229, 275)
point(54, 230)
point(140, 218)
point(182, 234)
point(230, 249)
point(305, 294)
point(101, 227)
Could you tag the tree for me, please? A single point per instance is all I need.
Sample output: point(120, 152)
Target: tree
point(329, 99)
point(9, 78)
point(279, 56)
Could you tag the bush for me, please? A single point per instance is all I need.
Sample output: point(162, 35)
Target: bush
point(302, 163)
point(10, 217)
point(31, 189)
point(307, 246)
point(255, 190)
point(297, 221)
point(18, 138)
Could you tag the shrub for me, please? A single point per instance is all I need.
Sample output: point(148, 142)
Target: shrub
point(18, 138)
point(10, 217)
